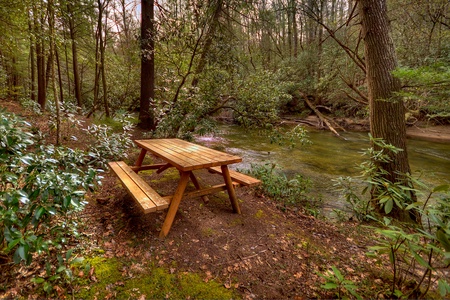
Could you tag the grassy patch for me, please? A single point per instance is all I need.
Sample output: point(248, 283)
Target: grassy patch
point(152, 282)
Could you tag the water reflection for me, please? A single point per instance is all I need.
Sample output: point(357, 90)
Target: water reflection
point(328, 157)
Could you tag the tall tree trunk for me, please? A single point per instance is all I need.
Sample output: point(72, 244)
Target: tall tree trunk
point(387, 111)
point(51, 23)
point(294, 27)
point(58, 66)
point(40, 56)
point(146, 115)
point(32, 59)
point(76, 73)
point(102, 65)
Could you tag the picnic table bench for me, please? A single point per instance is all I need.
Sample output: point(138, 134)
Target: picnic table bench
point(185, 157)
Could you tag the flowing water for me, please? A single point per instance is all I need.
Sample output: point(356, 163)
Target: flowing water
point(328, 157)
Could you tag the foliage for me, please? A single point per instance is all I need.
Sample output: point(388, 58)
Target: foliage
point(418, 252)
point(427, 91)
point(384, 194)
point(360, 207)
point(31, 105)
point(41, 190)
point(62, 275)
point(277, 186)
point(289, 138)
point(108, 145)
point(259, 99)
point(334, 280)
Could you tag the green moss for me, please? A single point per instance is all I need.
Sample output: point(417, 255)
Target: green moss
point(153, 282)
point(259, 214)
point(209, 232)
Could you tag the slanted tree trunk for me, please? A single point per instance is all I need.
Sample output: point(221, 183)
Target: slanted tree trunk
point(146, 115)
point(387, 111)
point(217, 5)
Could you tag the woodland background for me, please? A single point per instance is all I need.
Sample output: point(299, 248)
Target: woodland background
point(249, 60)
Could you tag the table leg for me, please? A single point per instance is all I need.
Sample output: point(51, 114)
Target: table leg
point(173, 208)
point(230, 189)
point(197, 186)
point(140, 158)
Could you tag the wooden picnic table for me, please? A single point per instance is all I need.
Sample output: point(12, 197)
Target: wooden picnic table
point(185, 157)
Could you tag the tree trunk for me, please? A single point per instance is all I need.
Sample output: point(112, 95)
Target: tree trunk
point(51, 21)
point(208, 40)
point(40, 56)
point(76, 75)
point(32, 59)
point(146, 115)
point(58, 67)
point(387, 111)
point(102, 66)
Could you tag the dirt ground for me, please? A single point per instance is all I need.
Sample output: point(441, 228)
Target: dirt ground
point(264, 253)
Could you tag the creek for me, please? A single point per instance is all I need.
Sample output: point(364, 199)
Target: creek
point(327, 158)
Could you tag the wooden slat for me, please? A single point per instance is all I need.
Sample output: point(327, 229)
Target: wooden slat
point(153, 195)
point(238, 177)
point(146, 167)
point(187, 156)
point(147, 197)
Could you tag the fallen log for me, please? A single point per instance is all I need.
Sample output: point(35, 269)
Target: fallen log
point(322, 118)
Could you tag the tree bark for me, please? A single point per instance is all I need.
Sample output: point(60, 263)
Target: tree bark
point(76, 74)
point(387, 111)
point(146, 115)
point(40, 56)
point(32, 59)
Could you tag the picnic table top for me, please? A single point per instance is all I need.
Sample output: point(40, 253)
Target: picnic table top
point(187, 156)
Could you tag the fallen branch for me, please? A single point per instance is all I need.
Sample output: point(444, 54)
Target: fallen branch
point(321, 116)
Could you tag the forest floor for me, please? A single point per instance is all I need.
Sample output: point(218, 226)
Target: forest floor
point(264, 253)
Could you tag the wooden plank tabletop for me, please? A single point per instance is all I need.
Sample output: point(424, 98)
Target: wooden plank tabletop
point(187, 156)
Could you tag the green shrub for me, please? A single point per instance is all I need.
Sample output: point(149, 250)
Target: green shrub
point(108, 145)
point(41, 189)
point(277, 186)
point(419, 252)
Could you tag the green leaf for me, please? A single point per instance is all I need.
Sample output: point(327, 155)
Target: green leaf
point(22, 252)
point(60, 269)
point(388, 206)
point(420, 260)
point(441, 188)
point(12, 244)
point(78, 260)
point(38, 213)
point(37, 280)
point(48, 287)
point(69, 253)
point(337, 273)
point(329, 285)
point(398, 293)
point(443, 238)
point(443, 287)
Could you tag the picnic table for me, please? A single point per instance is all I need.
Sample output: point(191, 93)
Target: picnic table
point(186, 157)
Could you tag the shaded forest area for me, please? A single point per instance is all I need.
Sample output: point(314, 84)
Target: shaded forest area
point(249, 61)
